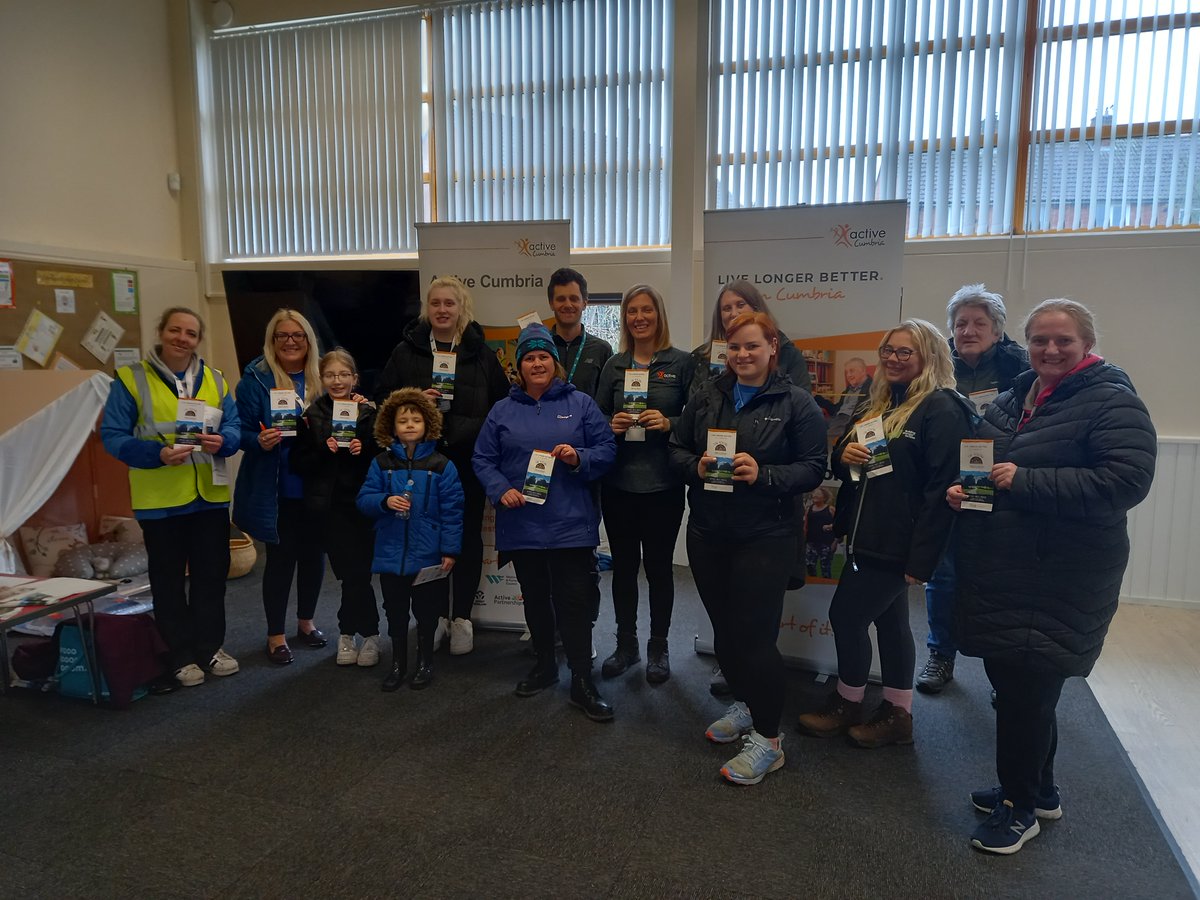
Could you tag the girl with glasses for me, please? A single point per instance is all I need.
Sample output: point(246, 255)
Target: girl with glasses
point(268, 497)
point(895, 525)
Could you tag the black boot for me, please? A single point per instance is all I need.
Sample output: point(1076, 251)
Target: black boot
point(658, 662)
point(395, 676)
point(623, 657)
point(424, 673)
point(541, 676)
point(586, 697)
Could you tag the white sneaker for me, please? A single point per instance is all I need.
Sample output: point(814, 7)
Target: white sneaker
point(189, 675)
point(368, 653)
point(222, 664)
point(440, 632)
point(462, 637)
point(757, 760)
point(347, 654)
point(736, 722)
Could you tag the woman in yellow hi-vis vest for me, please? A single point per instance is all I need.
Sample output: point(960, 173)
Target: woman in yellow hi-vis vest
point(179, 491)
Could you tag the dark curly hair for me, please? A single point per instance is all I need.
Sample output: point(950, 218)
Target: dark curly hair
point(406, 398)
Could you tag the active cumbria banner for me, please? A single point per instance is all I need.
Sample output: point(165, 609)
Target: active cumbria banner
point(832, 276)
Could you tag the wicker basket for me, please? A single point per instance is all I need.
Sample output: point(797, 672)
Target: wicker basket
point(242, 556)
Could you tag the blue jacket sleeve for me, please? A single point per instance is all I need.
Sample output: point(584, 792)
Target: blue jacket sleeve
point(116, 431)
point(601, 451)
point(486, 459)
point(373, 494)
point(252, 407)
point(231, 426)
point(450, 501)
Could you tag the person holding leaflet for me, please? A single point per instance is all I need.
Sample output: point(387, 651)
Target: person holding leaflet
point(537, 456)
point(892, 515)
point(641, 496)
point(413, 495)
point(986, 361)
point(180, 495)
point(335, 444)
point(1040, 575)
point(268, 502)
point(741, 532)
point(447, 331)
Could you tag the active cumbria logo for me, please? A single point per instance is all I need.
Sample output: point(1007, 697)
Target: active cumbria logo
point(845, 236)
point(526, 247)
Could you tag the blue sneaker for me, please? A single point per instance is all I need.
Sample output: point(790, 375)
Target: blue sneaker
point(988, 799)
point(736, 722)
point(756, 760)
point(1006, 830)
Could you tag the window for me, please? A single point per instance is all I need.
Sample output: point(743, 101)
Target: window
point(546, 109)
point(1114, 142)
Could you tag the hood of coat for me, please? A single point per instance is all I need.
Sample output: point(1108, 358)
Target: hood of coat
point(422, 450)
point(473, 341)
point(1096, 372)
point(558, 389)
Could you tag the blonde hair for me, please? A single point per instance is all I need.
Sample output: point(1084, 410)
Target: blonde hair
point(337, 354)
point(312, 371)
point(662, 337)
point(466, 308)
point(1082, 316)
point(937, 371)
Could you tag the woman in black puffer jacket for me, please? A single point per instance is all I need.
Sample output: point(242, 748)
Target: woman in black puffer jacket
point(896, 524)
point(447, 325)
point(1039, 576)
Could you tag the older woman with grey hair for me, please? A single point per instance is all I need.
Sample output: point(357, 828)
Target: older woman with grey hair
point(986, 361)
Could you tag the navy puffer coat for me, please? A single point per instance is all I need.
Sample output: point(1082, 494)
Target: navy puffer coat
point(1039, 576)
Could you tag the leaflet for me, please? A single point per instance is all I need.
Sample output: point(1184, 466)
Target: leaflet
point(871, 433)
point(537, 477)
point(530, 318)
point(637, 393)
point(283, 411)
point(722, 443)
point(975, 469)
point(189, 423)
point(982, 399)
point(345, 422)
point(718, 356)
point(430, 573)
point(212, 419)
point(444, 365)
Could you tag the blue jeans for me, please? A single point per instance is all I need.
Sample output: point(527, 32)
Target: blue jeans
point(939, 601)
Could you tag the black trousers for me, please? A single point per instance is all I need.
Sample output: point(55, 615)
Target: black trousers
point(742, 588)
point(464, 577)
point(428, 603)
point(191, 620)
point(1026, 728)
point(349, 543)
point(298, 553)
point(561, 589)
point(642, 529)
point(866, 596)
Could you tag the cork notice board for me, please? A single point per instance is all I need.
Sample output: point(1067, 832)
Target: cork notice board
point(53, 289)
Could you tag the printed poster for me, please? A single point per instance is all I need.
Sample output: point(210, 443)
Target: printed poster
point(38, 337)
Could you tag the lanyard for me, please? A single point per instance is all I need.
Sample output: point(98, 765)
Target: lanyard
point(185, 386)
point(433, 345)
point(578, 356)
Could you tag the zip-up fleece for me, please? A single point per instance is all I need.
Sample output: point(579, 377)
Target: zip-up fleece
point(900, 521)
point(331, 479)
point(781, 428)
point(434, 525)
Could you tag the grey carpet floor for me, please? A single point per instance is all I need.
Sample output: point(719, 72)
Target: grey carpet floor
point(307, 781)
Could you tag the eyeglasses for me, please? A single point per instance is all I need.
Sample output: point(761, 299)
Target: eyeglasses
point(286, 337)
point(904, 354)
point(338, 376)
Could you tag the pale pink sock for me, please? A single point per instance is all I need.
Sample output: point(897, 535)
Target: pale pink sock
point(897, 697)
point(853, 694)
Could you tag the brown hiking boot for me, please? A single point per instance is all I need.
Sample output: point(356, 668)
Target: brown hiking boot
point(832, 719)
point(889, 725)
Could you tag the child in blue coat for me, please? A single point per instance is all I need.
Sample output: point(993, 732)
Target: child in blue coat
point(414, 496)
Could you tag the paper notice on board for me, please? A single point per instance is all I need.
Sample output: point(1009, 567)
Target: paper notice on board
point(126, 356)
point(10, 358)
point(38, 337)
point(124, 286)
point(6, 288)
point(101, 339)
point(62, 363)
point(64, 300)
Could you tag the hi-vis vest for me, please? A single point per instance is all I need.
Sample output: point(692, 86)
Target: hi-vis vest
point(170, 486)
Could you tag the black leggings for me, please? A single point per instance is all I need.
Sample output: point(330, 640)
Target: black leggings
point(1027, 695)
point(298, 553)
point(742, 588)
point(642, 529)
point(866, 596)
point(350, 544)
point(560, 588)
point(428, 602)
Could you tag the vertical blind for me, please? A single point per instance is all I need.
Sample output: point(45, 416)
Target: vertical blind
point(315, 150)
point(1116, 102)
point(833, 101)
point(556, 109)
